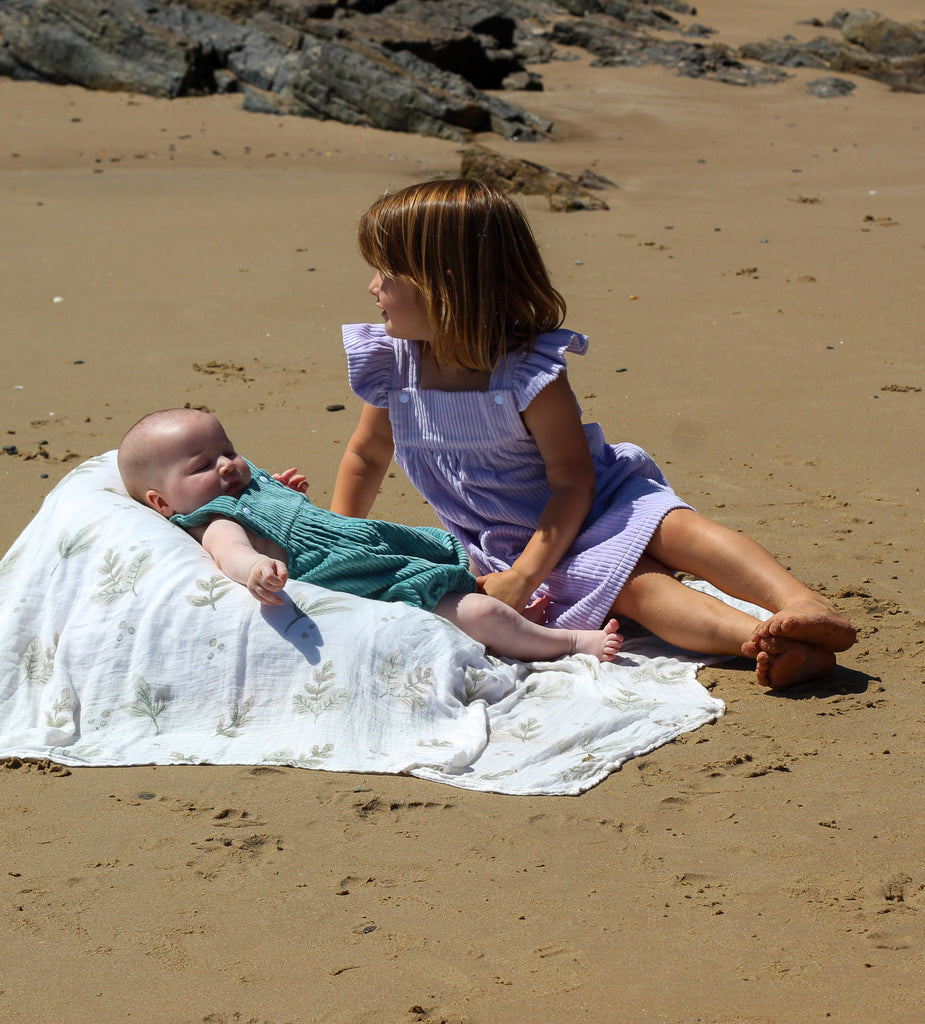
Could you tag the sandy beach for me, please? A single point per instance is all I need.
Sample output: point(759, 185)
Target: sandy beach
point(754, 298)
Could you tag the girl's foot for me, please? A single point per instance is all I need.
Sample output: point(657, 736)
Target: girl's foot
point(781, 662)
point(603, 644)
point(812, 621)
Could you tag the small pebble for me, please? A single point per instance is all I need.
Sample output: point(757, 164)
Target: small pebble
point(335, 408)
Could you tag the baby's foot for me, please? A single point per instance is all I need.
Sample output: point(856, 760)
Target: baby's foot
point(603, 644)
point(813, 621)
point(788, 662)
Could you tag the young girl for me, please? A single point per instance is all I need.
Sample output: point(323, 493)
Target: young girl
point(465, 383)
point(181, 463)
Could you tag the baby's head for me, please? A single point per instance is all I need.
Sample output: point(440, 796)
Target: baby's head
point(178, 460)
point(470, 251)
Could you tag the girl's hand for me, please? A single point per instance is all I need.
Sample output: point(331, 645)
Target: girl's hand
point(294, 479)
point(267, 577)
point(508, 586)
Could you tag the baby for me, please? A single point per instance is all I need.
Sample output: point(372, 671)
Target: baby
point(259, 531)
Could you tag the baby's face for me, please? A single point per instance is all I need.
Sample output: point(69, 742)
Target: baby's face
point(197, 463)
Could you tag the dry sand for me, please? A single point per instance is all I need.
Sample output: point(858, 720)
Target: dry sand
point(754, 297)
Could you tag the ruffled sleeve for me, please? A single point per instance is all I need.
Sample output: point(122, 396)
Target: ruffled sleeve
point(543, 364)
point(370, 362)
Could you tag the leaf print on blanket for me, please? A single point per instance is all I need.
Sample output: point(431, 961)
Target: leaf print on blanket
point(312, 609)
point(238, 715)
point(320, 697)
point(119, 579)
point(38, 661)
point(472, 686)
point(82, 541)
point(60, 714)
point(624, 700)
point(591, 763)
point(526, 732)
point(148, 704)
point(314, 759)
point(213, 590)
point(414, 689)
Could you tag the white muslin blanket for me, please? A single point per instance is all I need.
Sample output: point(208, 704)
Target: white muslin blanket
point(122, 644)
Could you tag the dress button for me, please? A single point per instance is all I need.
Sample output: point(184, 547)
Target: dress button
point(499, 399)
point(404, 398)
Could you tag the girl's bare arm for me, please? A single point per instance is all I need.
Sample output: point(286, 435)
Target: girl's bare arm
point(364, 465)
point(554, 421)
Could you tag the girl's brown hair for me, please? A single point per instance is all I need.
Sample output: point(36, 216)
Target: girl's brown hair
point(470, 251)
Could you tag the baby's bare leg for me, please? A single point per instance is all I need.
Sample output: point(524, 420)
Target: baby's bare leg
point(603, 644)
point(509, 635)
point(742, 568)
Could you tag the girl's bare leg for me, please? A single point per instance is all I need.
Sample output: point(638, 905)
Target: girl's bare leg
point(742, 568)
point(509, 635)
point(698, 622)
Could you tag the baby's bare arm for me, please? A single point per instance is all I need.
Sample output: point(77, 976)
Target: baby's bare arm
point(267, 577)
point(263, 572)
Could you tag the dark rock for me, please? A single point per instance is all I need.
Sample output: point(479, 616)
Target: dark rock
point(699, 30)
point(831, 88)
point(469, 39)
point(281, 58)
point(837, 19)
point(605, 38)
point(510, 174)
point(613, 44)
point(593, 180)
point(116, 46)
point(883, 35)
point(873, 46)
point(427, 66)
point(523, 81)
point(258, 102)
point(365, 84)
point(785, 52)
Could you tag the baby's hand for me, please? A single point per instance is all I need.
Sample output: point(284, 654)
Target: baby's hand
point(267, 577)
point(294, 479)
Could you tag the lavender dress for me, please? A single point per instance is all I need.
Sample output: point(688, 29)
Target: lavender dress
point(469, 454)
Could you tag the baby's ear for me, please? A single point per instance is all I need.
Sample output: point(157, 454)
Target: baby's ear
point(158, 502)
